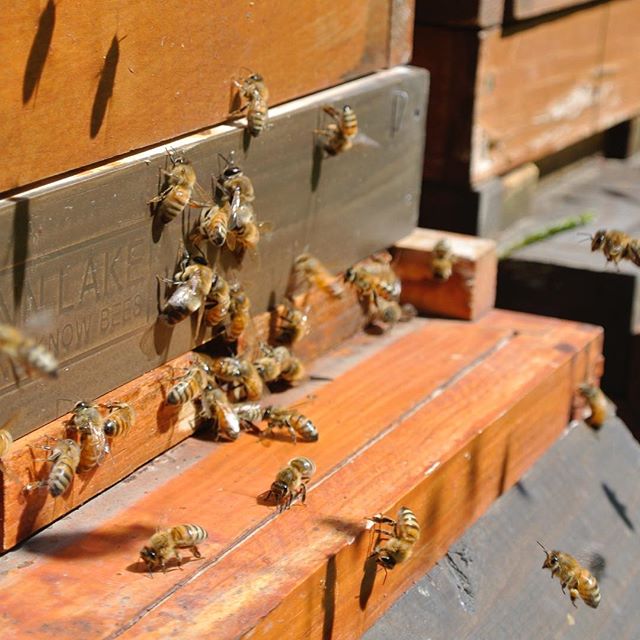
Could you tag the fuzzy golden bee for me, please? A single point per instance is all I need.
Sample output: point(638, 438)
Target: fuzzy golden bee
point(598, 404)
point(233, 179)
point(244, 231)
point(442, 261)
point(25, 353)
point(65, 458)
point(239, 314)
point(613, 244)
point(390, 312)
point(240, 375)
point(270, 362)
point(254, 91)
point(87, 420)
point(397, 545)
point(292, 323)
point(164, 545)
point(192, 383)
point(572, 575)
point(216, 409)
point(213, 224)
point(309, 269)
point(120, 419)
point(193, 281)
point(291, 482)
point(298, 425)
point(177, 189)
point(340, 134)
point(218, 302)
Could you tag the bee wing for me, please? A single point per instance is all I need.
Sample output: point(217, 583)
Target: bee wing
point(228, 415)
point(185, 295)
point(234, 219)
point(40, 321)
point(363, 140)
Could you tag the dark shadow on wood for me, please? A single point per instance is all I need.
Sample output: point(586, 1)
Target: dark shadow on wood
point(140, 567)
point(246, 140)
point(347, 527)
point(329, 599)
point(39, 51)
point(369, 572)
point(504, 469)
point(619, 507)
point(20, 235)
point(316, 167)
point(104, 91)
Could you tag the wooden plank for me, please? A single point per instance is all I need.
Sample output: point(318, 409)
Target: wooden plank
point(467, 294)
point(401, 31)
point(470, 594)
point(143, 76)
point(85, 248)
point(525, 9)
point(253, 559)
point(467, 13)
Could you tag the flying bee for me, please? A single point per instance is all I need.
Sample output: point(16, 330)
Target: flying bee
point(239, 314)
point(165, 543)
point(341, 133)
point(216, 307)
point(190, 385)
point(215, 407)
point(87, 419)
point(194, 279)
point(614, 244)
point(297, 424)
point(254, 91)
point(633, 251)
point(398, 543)
point(580, 581)
point(597, 402)
point(119, 420)
point(25, 352)
point(313, 272)
point(178, 186)
point(65, 458)
point(291, 482)
point(292, 323)
point(213, 224)
point(442, 261)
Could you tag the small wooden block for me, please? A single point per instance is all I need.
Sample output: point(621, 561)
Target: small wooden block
point(467, 294)
point(444, 433)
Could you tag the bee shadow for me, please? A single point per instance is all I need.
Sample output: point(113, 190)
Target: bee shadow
point(350, 528)
point(369, 573)
point(39, 51)
point(619, 507)
point(266, 499)
point(104, 90)
point(140, 567)
point(316, 164)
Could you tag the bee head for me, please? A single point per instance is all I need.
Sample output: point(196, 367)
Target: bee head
point(231, 172)
point(350, 275)
point(256, 77)
point(346, 109)
point(81, 405)
point(200, 260)
point(385, 560)
point(598, 238)
point(149, 556)
point(551, 561)
point(266, 412)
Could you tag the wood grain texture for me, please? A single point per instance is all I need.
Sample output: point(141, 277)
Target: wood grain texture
point(82, 85)
point(450, 437)
point(85, 249)
point(467, 294)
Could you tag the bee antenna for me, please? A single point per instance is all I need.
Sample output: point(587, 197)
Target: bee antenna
point(540, 543)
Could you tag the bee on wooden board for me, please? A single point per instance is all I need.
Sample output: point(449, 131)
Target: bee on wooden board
point(291, 482)
point(598, 404)
point(120, 419)
point(341, 133)
point(254, 92)
point(65, 458)
point(193, 280)
point(291, 419)
point(175, 194)
point(390, 312)
point(192, 383)
point(310, 270)
point(215, 408)
point(216, 307)
point(442, 261)
point(239, 313)
point(87, 419)
point(6, 440)
point(240, 374)
point(249, 414)
point(292, 323)
point(271, 361)
point(572, 575)
point(164, 545)
point(397, 545)
point(25, 353)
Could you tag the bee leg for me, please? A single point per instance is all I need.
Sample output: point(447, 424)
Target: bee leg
point(292, 433)
point(303, 493)
point(196, 552)
point(573, 594)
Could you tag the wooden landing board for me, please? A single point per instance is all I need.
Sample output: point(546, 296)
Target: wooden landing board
point(83, 85)
point(457, 428)
point(86, 250)
point(573, 507)
point(467, 294)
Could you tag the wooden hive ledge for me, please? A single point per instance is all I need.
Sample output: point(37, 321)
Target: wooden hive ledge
point(442, 419)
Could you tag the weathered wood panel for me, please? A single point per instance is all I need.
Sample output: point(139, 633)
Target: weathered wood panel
point(467, 294)
point(450, 438)
point(83, 84)
point(85, 248)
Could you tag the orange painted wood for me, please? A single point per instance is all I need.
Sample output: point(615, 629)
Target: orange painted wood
point(450, 432)
point(523, 9)
point(84, 83)
point(471, 289)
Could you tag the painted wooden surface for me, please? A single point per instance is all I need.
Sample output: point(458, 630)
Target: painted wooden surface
point(524, 9)
point(579, 508)
point(455, 429)
point(467, 294)
point(83, 85)
point(468, 13)
point(86, 250)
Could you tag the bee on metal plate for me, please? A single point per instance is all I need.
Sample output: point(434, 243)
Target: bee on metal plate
point(234, 178)
point(213, 224)
point(239, 314)
point(397, 545)
point(341, 133)
point(164, 545)
point(291, 482)
point(218, 302)
point(254, 91)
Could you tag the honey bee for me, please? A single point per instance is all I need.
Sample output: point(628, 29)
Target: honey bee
point(241, 374)
point(249, 413)
point(633, 251)
point(177, 189)
point(165, 543)
point(293, 370)
point(244, 231)
point(341, 133)
point(65, 456)
point(216, 408)
point(293, 323)
point(218, 301)
point(398, 543)
point(374, 280)
point(239, 315)
point(390, 312)
point(194, 279)
point(120, 419)
point(269, 364)
point(442, 261)
point(292, 420)
point(93, 442)
point(290, 483)
point(614, 244)
point(25, 352)
point(597, 403)
point(580, 581)
point(191, 384)
point(314, 272)
point(254, 90)
point(232, 179)
point(213, 224)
